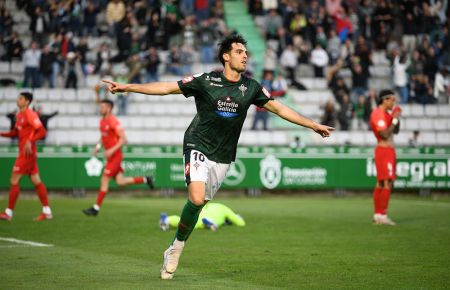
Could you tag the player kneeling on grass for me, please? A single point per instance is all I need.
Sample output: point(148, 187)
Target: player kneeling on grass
point(28, 129)
point(222, 100)
point(112, 139)
point(212, 216)
point(384, 126)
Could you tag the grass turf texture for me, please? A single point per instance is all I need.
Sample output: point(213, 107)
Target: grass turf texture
point(289, 242)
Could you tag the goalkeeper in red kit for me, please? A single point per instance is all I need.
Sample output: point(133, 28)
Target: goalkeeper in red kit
point(384, 125)
point(112, 139)
point(28, 129)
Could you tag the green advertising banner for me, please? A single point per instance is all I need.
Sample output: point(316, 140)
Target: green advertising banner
point(255, 167)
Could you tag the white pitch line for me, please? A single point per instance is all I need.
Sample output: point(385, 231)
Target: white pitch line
point(29, 243)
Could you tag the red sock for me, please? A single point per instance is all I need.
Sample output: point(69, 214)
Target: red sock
point(42, 193)
point(13, 195)
point(100, 197)
point(138, 180)
point(377, 199)
point(385, 194)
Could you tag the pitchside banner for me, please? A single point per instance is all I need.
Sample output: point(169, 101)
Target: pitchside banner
point(255, 167)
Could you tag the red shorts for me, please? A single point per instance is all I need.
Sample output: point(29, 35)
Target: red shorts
point(385, 163)
point(26, 166)
point(113, 167)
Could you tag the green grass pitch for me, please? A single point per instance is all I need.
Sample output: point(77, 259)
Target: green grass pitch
point(308, 242)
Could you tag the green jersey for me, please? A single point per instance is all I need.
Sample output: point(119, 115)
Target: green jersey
point(221, 110)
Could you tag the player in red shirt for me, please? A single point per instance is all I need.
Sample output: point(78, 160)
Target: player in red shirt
point(112, 139)
point(28, 129)
point(384, 125)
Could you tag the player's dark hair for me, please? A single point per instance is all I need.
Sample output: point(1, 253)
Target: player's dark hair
point(28, 96)
point(107, 101)
point(225, 45)
point(384, 94)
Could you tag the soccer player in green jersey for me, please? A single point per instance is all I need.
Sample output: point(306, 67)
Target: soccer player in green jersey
point(212, 216)
point(222, 100)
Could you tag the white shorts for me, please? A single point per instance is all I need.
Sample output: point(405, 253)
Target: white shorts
point(197, 167)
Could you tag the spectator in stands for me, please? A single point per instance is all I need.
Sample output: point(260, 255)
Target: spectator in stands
point(90, 18)
point(134, 65)
point(12, 122)
point(14, 47)
point(261, 114)
point(359, 120)
point(46, 66)
point(174, 63)
point(279, 86)
point(103, 63)
point(270, 60)
point(152, 62)
point(409, 25)
point(289, 61)
point(319, 59)
point(206, 39)
point(72, 70)
point(201, 9)
point(44, 119)
point(442, 87)
point(297, 143)
point(187, 59)
point(38, 26)
point(329, 114)
point(272, 23)
point(31, 61)
point(172, 31)
point(334, 46)
point(346, 113)
point(369, 104)
point(359, 80)
point(423, 91)
point(122, 98)
point(6, 22)
point(401, 77)
point(414, 140)
point(115, 12)
point(154, 30)
point(82, 49)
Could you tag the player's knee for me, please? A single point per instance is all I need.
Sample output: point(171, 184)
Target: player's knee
point(198, 200)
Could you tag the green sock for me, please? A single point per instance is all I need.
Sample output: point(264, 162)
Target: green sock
point(189, 217)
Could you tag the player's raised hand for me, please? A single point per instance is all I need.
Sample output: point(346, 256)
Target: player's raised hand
point(324, 131)
point(115, 87)
point(396, 112)
point(27, 149)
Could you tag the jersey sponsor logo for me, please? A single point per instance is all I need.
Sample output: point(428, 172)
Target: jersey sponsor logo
point(227, 108)
point(381, 123)
point(243, 89)
point(216, 85)
point(266, 92)
point(216, 79)
point(207, 78)
point(187, 79)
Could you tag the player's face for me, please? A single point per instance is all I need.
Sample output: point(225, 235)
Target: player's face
point(390, 102)
point(105, 109)
point(22, 102)
point(238, 57)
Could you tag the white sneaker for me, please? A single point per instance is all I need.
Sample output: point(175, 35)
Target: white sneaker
point(377, 218)
point(386, 221)
point(171, 258)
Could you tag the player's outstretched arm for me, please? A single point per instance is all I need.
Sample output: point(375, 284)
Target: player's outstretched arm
point(292, 116)
point(11, 134)
point(157, 88)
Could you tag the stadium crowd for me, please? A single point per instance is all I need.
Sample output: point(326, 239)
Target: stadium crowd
point(330, 35)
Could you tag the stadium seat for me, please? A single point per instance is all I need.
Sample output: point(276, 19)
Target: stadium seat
point(86, 95)
point(444, 110)
point(431, 110)
point(427, 138)
point(443, 138)
point(10, 94)
point(425, 124)
point(417, 110)
point(440, 124)
point(402, 138)
point(68, 94)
